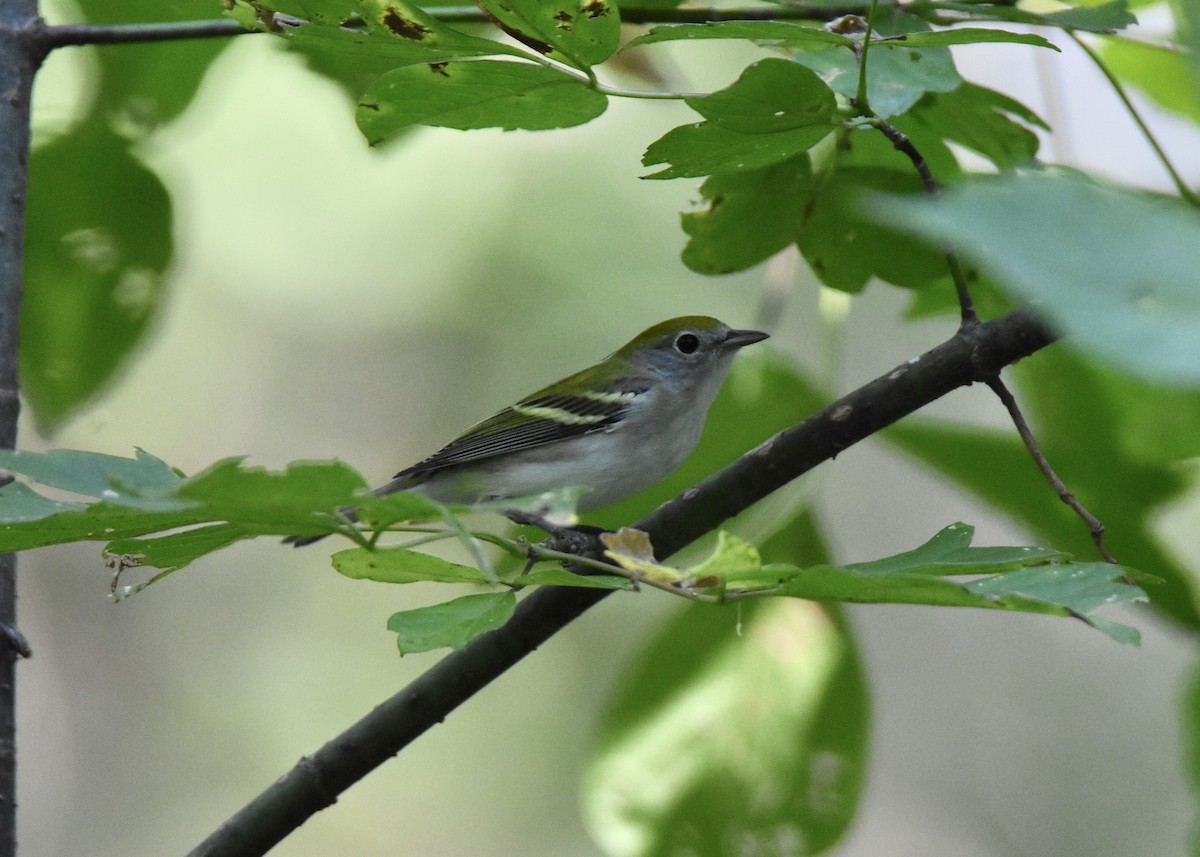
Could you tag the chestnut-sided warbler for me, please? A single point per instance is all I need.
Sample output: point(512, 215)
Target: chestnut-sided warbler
point(612, 429)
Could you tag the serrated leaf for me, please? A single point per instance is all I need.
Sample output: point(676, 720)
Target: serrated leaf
point(233, 490)
point(452, 624)
point(1114, 269)
point(919, 577)
point(766, 32)
point(751, 215)
point(755, 737)
point(143, 497)
point(93, 474)
point(401, 565)
point(1077, 406)
point(950, 551)
point(964, 36)
point(581, 33)
point(479, 94)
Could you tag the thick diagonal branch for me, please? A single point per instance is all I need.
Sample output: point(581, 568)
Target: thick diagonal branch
point(315, 783)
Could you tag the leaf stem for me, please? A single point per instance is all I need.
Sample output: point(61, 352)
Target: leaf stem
point(860, 99)
point(618, 92)
point(1184, 191)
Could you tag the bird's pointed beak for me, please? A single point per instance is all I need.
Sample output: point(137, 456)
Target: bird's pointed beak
point(742, 338)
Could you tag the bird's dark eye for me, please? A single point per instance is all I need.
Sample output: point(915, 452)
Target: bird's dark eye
point(687, 343)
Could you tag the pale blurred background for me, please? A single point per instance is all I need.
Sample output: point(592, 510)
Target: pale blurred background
point(332, 301)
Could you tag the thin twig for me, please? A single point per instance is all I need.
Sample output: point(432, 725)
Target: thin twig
point(1095, 527)
point(65, 35)
point(902, 143)
point(1184, 191)
point(970, 319)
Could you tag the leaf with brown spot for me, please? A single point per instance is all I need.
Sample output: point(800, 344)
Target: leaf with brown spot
point(581, 33)
point(403, 27)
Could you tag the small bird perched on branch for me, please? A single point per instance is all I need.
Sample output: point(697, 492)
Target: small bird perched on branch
point(612, 429)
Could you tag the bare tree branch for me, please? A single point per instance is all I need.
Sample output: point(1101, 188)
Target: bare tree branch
point(64, 35)
point(18, 64)
point(974, 354)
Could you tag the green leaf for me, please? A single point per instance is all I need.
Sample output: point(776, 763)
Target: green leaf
point(381, 512)
point(397, 33)
point(896, 80)
point(978, 119)
point(453, 623)
point(704, 148)
point(1052, 590)
point(750, 217)
point(1076, 407)
point(845, 248)
point(171, 552)
point(1114, 269)
point(764, 32)
point(302, 487)
point(1021, 579)
point(98, 242)
point(401, 565)
point(142, 496)
point(771, 95)
point(141, 86)
point(581, 33)
point(755, 737)
point(1165, 74)
point(125, 481)
point(20, 504)
point(1098, 18)
point(964, 36)
point(950, 551)
point(479, 94)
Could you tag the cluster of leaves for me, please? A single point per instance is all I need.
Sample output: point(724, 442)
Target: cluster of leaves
point(790, 153)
